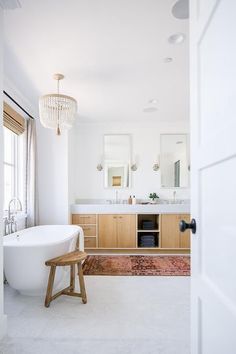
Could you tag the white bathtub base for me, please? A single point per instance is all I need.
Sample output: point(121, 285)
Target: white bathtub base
point(25, 256)
point(3, 326)
point(62, 277)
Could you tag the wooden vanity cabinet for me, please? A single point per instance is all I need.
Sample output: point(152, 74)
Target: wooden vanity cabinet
point(88, 222)
point(171, 237)
point(117, 231)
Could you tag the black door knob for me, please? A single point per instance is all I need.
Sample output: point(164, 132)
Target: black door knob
point(183, 225)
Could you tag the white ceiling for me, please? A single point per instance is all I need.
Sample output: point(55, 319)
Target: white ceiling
point(111, 53)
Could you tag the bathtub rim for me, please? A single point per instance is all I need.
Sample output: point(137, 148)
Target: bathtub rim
point(18, 245)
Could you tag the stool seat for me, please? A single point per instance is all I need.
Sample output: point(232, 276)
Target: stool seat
point(71, 259)
point(67, 259)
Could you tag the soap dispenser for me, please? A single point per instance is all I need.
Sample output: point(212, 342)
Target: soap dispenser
point(130, 200)
point(133, 200)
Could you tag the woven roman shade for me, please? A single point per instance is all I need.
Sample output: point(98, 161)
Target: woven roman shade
point(13, 120)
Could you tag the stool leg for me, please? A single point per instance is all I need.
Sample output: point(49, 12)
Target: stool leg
point(50, 286)
point(72, 277)
point(81, 283)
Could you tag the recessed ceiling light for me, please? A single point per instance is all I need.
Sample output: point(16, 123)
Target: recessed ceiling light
point(176, 38)
point(149, 109)
point(168, 60)
point(153, 101)
point(180, 10)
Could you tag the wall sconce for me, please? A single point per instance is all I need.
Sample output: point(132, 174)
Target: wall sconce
point(99, 167)
point(156, 167)
point(134, 167)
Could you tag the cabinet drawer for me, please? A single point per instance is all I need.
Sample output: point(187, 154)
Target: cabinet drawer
point(90, 242)
point(83, 219)
point(89, 230)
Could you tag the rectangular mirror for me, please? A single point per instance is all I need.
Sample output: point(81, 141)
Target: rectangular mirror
point(117, 159)
point(174, 161)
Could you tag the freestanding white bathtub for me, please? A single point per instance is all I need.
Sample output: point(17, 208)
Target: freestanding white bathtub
point(26, 251)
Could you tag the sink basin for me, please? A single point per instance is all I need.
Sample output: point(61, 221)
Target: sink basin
point(130, 209)
point(166, 201)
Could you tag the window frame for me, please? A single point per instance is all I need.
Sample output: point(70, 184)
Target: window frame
point(14, 164)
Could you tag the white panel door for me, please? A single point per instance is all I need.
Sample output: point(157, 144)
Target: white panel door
point(213, 170)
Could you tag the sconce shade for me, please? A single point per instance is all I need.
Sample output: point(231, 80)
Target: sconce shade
point(134, 167)
point(99, 167)
point(155, 167)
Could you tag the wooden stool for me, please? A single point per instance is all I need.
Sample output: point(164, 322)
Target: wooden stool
point(70, 259)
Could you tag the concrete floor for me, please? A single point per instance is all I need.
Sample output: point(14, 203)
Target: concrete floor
point(141, 315)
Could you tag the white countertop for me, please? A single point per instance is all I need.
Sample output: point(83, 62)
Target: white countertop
point(130, 209)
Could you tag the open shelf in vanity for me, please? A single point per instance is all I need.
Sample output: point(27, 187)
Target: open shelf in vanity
point(148, 231)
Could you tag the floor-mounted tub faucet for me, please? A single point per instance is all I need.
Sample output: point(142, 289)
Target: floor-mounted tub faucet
point(10, 222)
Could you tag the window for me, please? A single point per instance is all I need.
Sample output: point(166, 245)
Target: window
point(13, 166)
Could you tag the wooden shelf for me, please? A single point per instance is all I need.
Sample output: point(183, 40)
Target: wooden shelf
point(148, 230)
point(147, 248)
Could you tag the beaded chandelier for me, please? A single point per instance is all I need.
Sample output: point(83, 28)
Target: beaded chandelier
point(57, 111)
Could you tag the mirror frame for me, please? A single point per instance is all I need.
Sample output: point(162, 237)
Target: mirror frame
point(187, 156)
point(130, 162)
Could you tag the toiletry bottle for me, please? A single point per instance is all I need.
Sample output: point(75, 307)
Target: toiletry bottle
point(133, 200)
point(130, 200)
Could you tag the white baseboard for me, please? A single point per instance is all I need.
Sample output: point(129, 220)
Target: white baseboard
point(3, 326)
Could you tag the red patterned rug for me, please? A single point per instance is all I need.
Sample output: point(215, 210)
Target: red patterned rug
point(137, 265)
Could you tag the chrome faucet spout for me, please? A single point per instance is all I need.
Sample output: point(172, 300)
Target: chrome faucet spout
point(116, 197)
point(174, 196)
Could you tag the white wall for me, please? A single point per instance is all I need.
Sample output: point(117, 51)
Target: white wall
point(2, 316)
point(88, 151)
point(52, 151)
point(52, 176)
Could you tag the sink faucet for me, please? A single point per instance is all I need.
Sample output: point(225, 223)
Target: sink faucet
point(10, 220)
point(116, 197)
point(174, 196)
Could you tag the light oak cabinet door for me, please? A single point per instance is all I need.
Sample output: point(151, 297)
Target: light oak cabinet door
point(90, 242)
point(89, 230)
point(107, 231)
point(170, 231)
point(83, 219)
point(185, 236)
point(171, 237)
point(88, 222)
point(117, 231)
point(126, 231)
